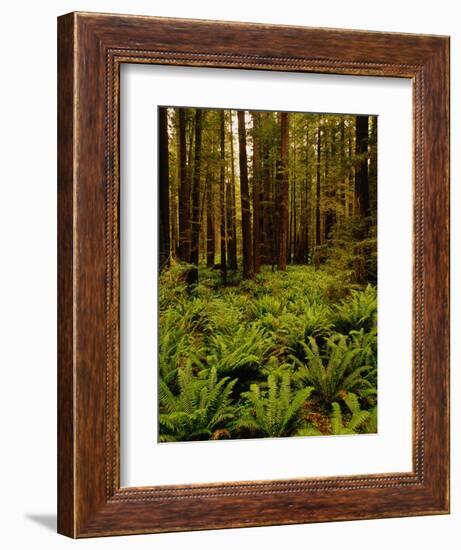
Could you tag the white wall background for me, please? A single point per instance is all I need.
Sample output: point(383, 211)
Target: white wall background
point(28, 271)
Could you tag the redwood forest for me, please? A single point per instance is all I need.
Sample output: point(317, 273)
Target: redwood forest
point(267, 237)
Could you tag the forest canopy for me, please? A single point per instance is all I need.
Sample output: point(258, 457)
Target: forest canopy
point(268, 273)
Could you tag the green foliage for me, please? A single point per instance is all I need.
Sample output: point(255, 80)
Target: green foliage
point(353, 250)
point(339, 369)
point(199, 411)
point(357, 311)
point(292, 349)
point(357, 417)
point(239, 354)
point(273, 412)
point(274, 356)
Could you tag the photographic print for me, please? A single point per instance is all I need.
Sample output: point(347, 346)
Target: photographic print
point(267, 274)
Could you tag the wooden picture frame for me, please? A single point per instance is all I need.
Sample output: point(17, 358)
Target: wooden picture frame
point(92, 47)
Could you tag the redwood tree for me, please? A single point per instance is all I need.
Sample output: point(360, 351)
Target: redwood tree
point(282, 183)
point(184, 190)
point(256, 191)
point(362, 196)
point(195, 226)
point(210, 238)
point(231, 212)
point(317, 196)
point(222, 194)
point(248, 267)
point(164, 190)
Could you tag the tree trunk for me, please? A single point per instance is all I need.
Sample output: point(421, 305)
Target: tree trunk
point(317, 200)
point(330, 214)
point(195, 229)
point(164, 190)
point(350, 198)
point(184, 191)
point(248, 268)
point(282, 181)
point(266, 236)
point(343, 167)
point(174, 191)
point(231, 215)
point(373, 168)
point(210, 233)
point(256, 191)
point(362, 197)
point(222, 193)
point(293, 227)
point(302, 249)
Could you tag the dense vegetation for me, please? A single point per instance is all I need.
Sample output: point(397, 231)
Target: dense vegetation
point(268, 302)
point(287, 353)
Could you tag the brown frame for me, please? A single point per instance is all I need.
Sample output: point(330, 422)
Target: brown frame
point(91, 49)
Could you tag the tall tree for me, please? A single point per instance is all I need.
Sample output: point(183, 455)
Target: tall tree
point(256, 191)
point(266, 188)
point(231, 210)
point(362, 196)
point(164, 189)
point(373, 166)
point(195, 226)
point(247, 248)
point(302, 249)
point(292, 232)
point(210, 232)
point(175, 183)
point(222, 193)
point(282, 181)
point(331, 183)
point(350, 196)
point(317, 196)
point(184, 190)
point(343, 170)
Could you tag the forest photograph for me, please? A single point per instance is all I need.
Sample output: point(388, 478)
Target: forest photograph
point(267, 274)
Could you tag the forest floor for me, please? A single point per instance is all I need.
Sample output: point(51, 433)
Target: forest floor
point(287, 353)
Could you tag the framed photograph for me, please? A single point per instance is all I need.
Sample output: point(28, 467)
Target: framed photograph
point(253, 275)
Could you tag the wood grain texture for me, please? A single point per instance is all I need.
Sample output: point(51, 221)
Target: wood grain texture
point(91, 49)
point(66, 108)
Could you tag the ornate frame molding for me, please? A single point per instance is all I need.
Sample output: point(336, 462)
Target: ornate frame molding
point(91, 49)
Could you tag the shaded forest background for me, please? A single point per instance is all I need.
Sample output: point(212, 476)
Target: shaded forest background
point(268, 273)
point(269, 188)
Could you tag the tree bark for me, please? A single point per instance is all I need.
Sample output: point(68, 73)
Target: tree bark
point(195, 226)
point(184, 190)
point(302, 249)
point(247, 248)
point(267, 204)
point(350, 197)
point(362, 197)
point(373, 167)
point(164, 190)
point(210, 233)
point(282, 181)
point(256, 191)
point(317, 199)
point(222, 193)
point(292, 234)
point(331, 187)
point(231, 212)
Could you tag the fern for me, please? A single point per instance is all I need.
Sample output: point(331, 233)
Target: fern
point(338, 370)
point(233, 359)
point(239, 354)
point(359, 311)
point(201, 409)
point(358, 417)
point(177, 348)
point(275, 411)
